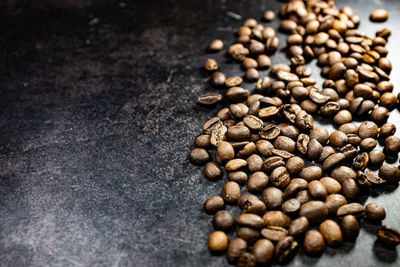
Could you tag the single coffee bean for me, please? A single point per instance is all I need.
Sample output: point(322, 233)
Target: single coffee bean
point(213, 204)
point(280, 177)
point(333, 160)
point(247, 260)
point(244, 198)
point(218, 242)
point(223, 220)
point(375, 212)
point(388, 235)
point(354, 209)
point(253, 122)
point(274, 233)
point(236, 94)
point(361, 161)
point(332, 186)
point(286, 249)
point(247, 150)
point(254, 206)
point(239, 177)
point(254, 163)
point(218, 133)
point(387, 130)
point(350, 227)
point(295, 186)
point(376, 157)
point(212, 171)
point(379, 114)
point(199, 156)
point(313, 243)
point(334, 202)
point(303, 196)
point(368, 129)
point(291, 206)
point(315, 211)
point(349, 151)
point(272, 197)
point(389, 173)
point(314, 149)
point(236, 248)
point(268, 15)
point(276, 218)
point(235, 164)
point(311, 173)
point(317, 190)
point(209, 99)
point(294, 165)
point(338, 139)
point(343, 117)
point(379, 15)
point(392, 145)
point(203, 141)
point(368, 143)
point(343, 173)
point(216, 45)
point(231, 192)
point(326, 152)
point(217, 79)
point(285, 143)
point(263, 251)
point(331, 232)
point(210, 64)
point(348, 128)
point(257, 182)
point(350, 189)
point(320, 134)
point(250, 220)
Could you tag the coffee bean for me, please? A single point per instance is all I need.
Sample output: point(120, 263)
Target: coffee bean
point(276, 218)
point(343, 173)
point(213, 204)
point(210, 64)
point(389, 173)
point(231, 192)
point(368, 129)
point(338, 138)
point(238, 133)
point(387, 130)
point(264, 147)
point(320, 134)
point(368, 143)
point(250, 235)
point(263, 62)
point(379, 114)
point(313, 243)
point(263, 251)
point(280, 177)
point(236, 94)
point(253, 122)
point(244, 198)
point(294, 165)
point(376, 157)
point(250, 220)
point(274, 233)
point(342, 117)
point(317, 190)
point(271, 163)
point(218, 242)
point(209, 99)
point(350, 189)
point(331, 232)
point(302, 143)
point(247, 150)
point(217, 79)
point(268, 15)
point(388, 235)
point(257, 182)
point(254, 206)
point(350, 227)
point(332, 186)
point(247, 260)
point(199, 156)
point(333, 160)
point(295, 186)
point(375, 212)
point(326, 152)
point(314, 149)
point(291, 206)
point(361, 161)
point(218, 133)
point(223, 220)
point(334, 202)
point(286, 249)
point(311, 173)
point(216, 45)
point(212, 170)
point(203, 141)
point(236, 248)
point(272, 197)
point(254, 163)
point(315, 211)
point(379, 15)
point(235, 164)
point(289, 131)
point(355, 209)
point(392, 145)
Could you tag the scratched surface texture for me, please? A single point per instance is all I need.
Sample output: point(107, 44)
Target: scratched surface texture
point(98, 112)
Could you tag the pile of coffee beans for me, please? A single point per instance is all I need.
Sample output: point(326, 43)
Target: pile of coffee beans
point(303, 183)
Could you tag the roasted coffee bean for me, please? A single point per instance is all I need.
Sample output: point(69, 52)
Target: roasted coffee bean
point(264, 147)
point(218, 133)
point(314, 149)
point(388, 235)
point(388, 100)
point(280, 177)
point(326, 152)
point(238, 111)
point(317, 190)
point(285, 143)
point(389, 173)
point(223, 220)
point(332, 186)
point(350, 227)
point(291, 206)
point(286, 249)
point(313, 243)
point(253, 122)
point(268, 15)
point(274, 233)
point(302, 143)
point(236, 248)
point(213, 204)
point(368, 129)
point(349, 151)
point(250, 220)
point(379, 114)
point(249, 63)
point(303, 196)
point(295, 186)
point(231, 192)
point(272, 197)
point(354, 209)
point(333, 160)
point(334, 202)
point(368, 143)
point(350, 189)
point(239, 177)
point(375, 212)
point(247, 260)
point(392, 145)
point(257, 182)
point(294, 165)
point(354, 140)
point(379, 15)
point(235, 164)
point(216, 45)
point(320, 134)
point(268, 113)
point(271, 163)
point(376, 157)
point(203, 141)
point(338, 139)
point(209, 99)
point(331, 232)
point(252, 74)
point(236, 94)
point(311, 173)
point(199, 156)
point(289, 130)
point(361, 161)
point(315, 211)
point(210, 64)
point(343, 173)
point(387, 130)
point(298, 227)
point(212, 170)
point(218, 242)
point(342, 117)
point(276, 218)
point(244, 198)
point(217, 79)
point(247, 150)
point(238, 133)
point(263, 251)
point(254, 163)
point(254, 206)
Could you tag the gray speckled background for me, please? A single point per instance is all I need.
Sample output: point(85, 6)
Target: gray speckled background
point(98, 112)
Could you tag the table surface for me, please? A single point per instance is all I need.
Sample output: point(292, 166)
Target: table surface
point(98, 113)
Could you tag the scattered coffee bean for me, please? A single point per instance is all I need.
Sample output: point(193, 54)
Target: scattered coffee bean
point(213, 204)
point(350, 227)
point(216, 45)
point(331, 232)
point(313, 243)
point(375, 212)
point(217, 242)
point(223, 220)
point(388, 235)
point(379, 15)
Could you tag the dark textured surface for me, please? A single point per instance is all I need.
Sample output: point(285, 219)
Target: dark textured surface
point(97, 116)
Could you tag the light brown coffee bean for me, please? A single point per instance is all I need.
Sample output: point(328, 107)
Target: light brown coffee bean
point(231, 192)
point(355, 209)
point(317, 190)
point(218, 242)
point(311, 173)
point(213, 204)
point(276, 218)
point(331, 232)
point(250, 220)
point(315, 211)
point(263, 251)
point(332, 186)
point(313, 243)
point(379, 15)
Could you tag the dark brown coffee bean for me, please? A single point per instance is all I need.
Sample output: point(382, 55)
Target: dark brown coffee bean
point(264, 147)
point(216, 45)
point(209, 99)
point(291, 206)
point(338, 139)
point(274, 233)
point(302, 143)
point(350, 189)
point(286, 249)
point(376, 157)
point(333, 160)
point(375, 212)
point(268, 113)
point(389, 173)
point(212, 171)
point(298, 227)
point(285, 143)
point(320, 134)
point(368, 143)
point(295, 186)
point(392, 145)
point(294, 165)
point(361, 161)
point(272, 44)
point(236, 94)
point(314, 243)
point(315, 211)
point(199, 156)
point(368, 129)
point(244, 198)
point(326, 152)
point(317, 190)
point(271, 163)
point(354, 209)
point(250, 235)
point(303, 196)
point(343, 173)
point(280, 177)
point(272, 197)
point(331, 232)
point(289, 130)
point(276, 218)
point(252, 205)
point(231, 192)
point(252, 74)
point(238, 51)
point(236, 248)
point(334, 202)
point(379, 114)
point(350, 227)
point(223, 220)
point(311, 173)
point(217, 79)
point(203, 141)
point(263, 251)
point(213, 204)
point(257, 182)
point(238, 133)
point(250, 220)
point(379, 15)
point(314, 149)
point(253, 122)
point(387, 130)
point(210, 64)
point(349, 151)
point(388, 235)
